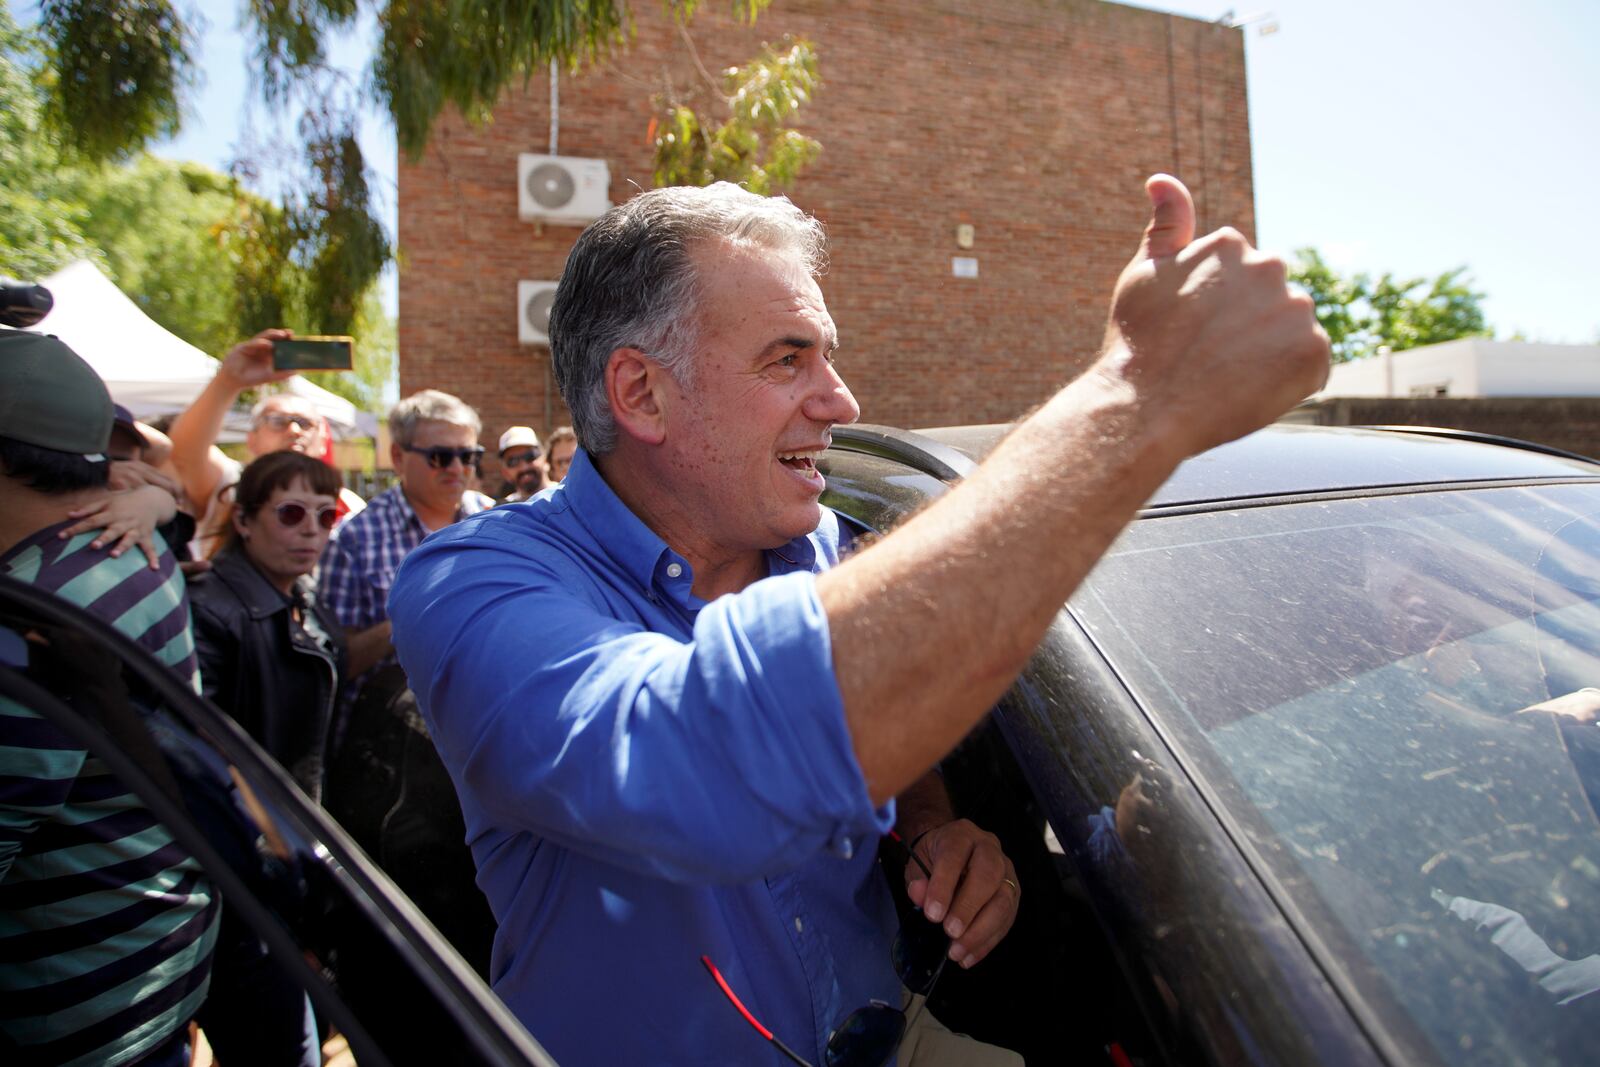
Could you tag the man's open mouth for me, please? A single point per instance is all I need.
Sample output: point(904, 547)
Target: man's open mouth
point(801, 462)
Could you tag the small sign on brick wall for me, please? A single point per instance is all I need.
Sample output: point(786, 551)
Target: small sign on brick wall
point(964, 266)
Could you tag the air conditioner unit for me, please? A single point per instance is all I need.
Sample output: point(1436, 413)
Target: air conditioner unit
point(562, 189)
point(533, 311)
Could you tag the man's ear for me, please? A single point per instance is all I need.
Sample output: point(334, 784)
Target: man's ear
point(397, 455)
point(635, 385)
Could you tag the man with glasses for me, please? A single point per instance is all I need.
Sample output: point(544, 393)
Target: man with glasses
point(522, 464)
point(563, 445)
point(407, 818)
point(692, 767)
point(280, 422)
point(433, 447)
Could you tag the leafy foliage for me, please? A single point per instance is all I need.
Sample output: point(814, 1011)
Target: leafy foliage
point(120, 67)
point(118, 70)
point(38, 226)
point(752, 145)
point(1361, 314)
point(152, 222)
point(339, 241)
point(173, 235)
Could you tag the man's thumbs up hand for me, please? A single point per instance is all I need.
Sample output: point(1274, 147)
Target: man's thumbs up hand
point(1171, 218)
point(1207, 332)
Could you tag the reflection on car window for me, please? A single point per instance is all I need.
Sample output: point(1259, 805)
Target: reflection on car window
point(1398, 698)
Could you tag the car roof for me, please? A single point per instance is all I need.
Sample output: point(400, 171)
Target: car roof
point(1288, 460)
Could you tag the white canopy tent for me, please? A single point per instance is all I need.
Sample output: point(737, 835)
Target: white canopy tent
point(149, 370)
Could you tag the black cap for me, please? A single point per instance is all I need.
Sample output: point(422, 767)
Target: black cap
point(50, 397)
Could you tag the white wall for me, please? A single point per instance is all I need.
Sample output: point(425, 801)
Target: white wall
point(1473, 368)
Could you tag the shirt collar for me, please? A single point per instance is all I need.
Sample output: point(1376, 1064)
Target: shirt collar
point(636, 548)
point(409, 516)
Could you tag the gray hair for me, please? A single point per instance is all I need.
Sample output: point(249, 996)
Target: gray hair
point(429, 405)
point(630, 283)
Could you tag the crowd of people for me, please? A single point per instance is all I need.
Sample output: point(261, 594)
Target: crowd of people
point(239, 585)
point(730, 705)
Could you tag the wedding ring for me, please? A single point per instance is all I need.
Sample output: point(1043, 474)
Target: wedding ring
point(1015, 888)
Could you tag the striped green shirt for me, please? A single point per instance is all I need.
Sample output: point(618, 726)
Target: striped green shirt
point(106, 924)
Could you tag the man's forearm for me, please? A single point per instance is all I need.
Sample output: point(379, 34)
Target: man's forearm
point(963, 592)
point(365, 648)
point(1204, 343)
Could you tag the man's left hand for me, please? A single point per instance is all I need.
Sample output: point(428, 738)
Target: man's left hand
point(973, 890)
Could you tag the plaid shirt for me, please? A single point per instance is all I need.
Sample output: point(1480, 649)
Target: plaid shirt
point(367, 549)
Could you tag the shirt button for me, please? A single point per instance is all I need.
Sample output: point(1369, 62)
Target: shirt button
point(674, 570)
point(846, 848)
point(799, 927)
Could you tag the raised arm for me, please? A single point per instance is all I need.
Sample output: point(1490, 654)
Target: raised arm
point(1205, 343)
point(247, 364)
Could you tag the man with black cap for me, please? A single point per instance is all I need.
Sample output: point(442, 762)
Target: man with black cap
point(142, 966)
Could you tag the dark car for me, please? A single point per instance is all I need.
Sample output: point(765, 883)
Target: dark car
point(1305, 773)
point(1307, 770)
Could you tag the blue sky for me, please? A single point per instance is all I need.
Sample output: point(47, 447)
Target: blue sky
point(1411, 136)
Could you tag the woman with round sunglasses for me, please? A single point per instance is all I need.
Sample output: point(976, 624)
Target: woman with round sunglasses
point(270, 654)
point(271, 657)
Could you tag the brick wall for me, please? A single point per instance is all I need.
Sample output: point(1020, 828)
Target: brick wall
point(1036, 122)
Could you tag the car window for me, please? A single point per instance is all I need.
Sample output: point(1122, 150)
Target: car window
point(1395, 701)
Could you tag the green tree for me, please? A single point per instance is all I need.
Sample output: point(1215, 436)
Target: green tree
point(172, 235)
point(752, 144)
point(153, 225)
point(39, 227)
point(116, 73)
point(1362, 314)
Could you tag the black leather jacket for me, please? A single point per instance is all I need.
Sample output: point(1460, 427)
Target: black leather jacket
point(263, 668)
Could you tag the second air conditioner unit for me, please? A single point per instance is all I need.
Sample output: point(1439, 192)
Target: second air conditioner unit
point(533, 311)
point(565, 190)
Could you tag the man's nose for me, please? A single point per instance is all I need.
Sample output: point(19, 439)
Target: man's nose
point(831, 401)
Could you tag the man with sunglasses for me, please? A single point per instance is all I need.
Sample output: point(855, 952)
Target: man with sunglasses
point(522, 464)
point(279, 422)
point(433, 447)
point(695, 762)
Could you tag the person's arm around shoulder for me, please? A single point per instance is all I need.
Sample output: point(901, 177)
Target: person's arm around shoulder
point(1205, 343)
point(192, 434)
point(126, 519)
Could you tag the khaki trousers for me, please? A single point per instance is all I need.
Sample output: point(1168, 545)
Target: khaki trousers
point(929, 1044)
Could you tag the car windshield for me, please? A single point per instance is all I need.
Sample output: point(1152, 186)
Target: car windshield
point(1394, 699)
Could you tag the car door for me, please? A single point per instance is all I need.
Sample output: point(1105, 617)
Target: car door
point(325, 912)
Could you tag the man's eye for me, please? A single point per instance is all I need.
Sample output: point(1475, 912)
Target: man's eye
point(790, 360)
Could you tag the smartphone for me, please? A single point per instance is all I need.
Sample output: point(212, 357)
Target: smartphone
point(312, 353)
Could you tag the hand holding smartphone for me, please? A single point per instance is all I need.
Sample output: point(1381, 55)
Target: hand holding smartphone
point(313, 353)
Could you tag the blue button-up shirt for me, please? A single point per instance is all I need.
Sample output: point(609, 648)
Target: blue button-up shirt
point(648, 778)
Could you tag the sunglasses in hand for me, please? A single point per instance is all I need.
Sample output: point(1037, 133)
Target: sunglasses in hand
point(440, 457)
point(870, 1035)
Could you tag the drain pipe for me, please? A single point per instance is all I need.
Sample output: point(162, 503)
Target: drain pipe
point(555, 106)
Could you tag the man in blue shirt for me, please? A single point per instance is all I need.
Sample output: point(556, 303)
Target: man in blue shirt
point(699, 753)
